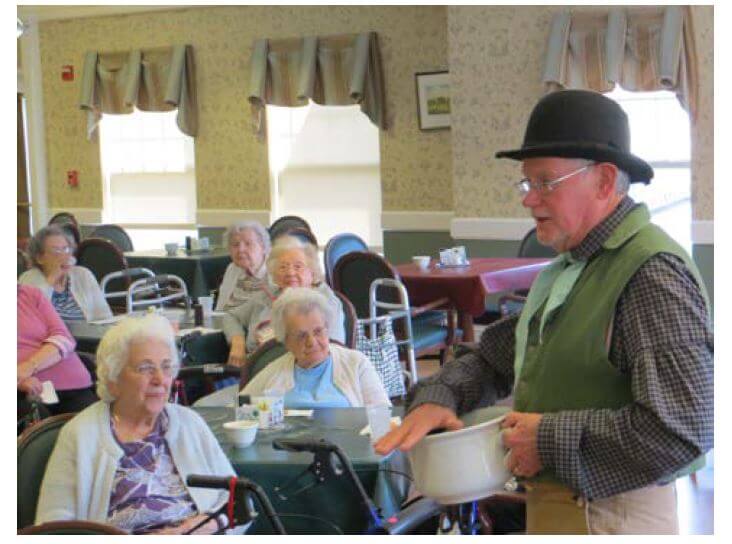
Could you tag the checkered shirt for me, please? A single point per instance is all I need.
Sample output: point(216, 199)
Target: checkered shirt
point(662, 338)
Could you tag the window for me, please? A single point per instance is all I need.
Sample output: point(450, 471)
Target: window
point(661, 135)
point(324, 167)
point(149, 177)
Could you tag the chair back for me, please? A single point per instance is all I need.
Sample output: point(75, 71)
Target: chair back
point(302, 234)
point(285, 223)
point(264, 355)
point(23, 262)
point(353, 275)
point(350, 320)
point(102, 257)
point(63, 217)
point(337, 247)
point(530, 247)
point(34, 449)
point(199, 349)
point(115, 234)
point(72, 527)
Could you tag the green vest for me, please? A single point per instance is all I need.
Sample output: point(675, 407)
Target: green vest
point(570, 368)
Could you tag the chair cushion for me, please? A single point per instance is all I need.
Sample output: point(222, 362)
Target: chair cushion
point(428, 335)
point(435, 317)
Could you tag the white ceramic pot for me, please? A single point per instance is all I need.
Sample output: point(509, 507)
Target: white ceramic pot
point(241, 433)
point(465, 465)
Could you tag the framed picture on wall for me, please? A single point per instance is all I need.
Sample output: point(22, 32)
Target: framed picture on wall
point(433, 99)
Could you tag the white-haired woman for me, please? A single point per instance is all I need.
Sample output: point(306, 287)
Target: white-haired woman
point(124, 460)
point(291, 263)
point(249, 245)
point(315, 373)
point(73, 290)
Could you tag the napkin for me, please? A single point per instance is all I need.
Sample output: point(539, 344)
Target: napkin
point(298, 413)
point(48, 395)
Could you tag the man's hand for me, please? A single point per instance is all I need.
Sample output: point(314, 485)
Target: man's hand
point(31, 386)
point(416, 425)
point(237, 354)
point(520, 437)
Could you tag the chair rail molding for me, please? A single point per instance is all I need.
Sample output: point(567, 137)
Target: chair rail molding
point(211, 217)
point(702, 231)
point(490, 228)
point(416, 220)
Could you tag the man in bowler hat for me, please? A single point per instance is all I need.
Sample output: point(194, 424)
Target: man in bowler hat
point(610, 362)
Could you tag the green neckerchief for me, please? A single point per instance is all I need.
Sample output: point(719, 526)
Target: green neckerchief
point(552, 285)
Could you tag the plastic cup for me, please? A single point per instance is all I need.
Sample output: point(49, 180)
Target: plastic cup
point(207, 304)
point(379, 417)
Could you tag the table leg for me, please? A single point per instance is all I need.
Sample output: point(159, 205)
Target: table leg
point(465, 322)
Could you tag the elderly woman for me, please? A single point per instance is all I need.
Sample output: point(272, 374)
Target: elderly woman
point(249, 245)
point(291, 263)
point(124, 460)
point(73, 290)
point(314, 372)
point(46, 353)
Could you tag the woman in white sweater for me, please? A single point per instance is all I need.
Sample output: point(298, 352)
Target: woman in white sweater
point(124, 460)
point(73, 290)
point(315, 373)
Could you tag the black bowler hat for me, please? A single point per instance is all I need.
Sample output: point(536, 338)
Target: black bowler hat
point(581, 125)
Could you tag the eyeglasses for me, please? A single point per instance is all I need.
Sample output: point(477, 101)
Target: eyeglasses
point(286, 267)
point(149, 369)
point(318, 332)
point(60, 250)
point(545, 187)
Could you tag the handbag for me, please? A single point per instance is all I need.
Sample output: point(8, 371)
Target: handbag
point(383, 353)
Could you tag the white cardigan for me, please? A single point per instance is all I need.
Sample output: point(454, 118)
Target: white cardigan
point(231, 276)
point(80, 473)
point(83, 286)
point(353, 374)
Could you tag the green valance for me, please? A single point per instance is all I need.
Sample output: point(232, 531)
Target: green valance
point(333, 70)
point(160, 79)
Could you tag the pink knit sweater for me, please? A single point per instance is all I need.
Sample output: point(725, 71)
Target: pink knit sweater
point(38, 324)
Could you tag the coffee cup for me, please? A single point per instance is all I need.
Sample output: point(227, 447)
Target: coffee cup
point(171, 249)
point(422, 261)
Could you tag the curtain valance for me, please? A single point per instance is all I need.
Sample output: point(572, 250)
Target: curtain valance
point(334, 70)
point(642, 49)
point(159, 79)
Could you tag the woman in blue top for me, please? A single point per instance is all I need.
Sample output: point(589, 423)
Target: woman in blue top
point(315, 373)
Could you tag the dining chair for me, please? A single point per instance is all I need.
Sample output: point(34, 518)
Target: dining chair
point(115, 234)
point(102, 257)
point(337, 247)
point(285, 223)
point(350, 320)
point(353, 275)
point(64, 217)
point(35, 445)
point(301, 233)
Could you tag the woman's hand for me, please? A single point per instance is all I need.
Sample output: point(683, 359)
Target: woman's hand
point(237, 354)
point(26, 369)
point(31, 386)
point(187, 524)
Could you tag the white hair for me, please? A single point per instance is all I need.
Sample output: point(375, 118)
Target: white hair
point(622, 180)
point(286, 243)
point(298, 300)
point(114, 349)
point(241, 226)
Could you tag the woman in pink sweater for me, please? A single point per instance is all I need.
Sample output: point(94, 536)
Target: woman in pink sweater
point(46, 353)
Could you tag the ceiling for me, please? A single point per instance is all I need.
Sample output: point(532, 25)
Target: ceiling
point(29, 13)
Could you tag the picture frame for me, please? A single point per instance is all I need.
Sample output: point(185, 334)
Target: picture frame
point(433, 100)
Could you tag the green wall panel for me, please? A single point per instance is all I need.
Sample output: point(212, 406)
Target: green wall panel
point(704, 258)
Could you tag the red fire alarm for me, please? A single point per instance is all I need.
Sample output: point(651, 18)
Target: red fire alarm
point(72, 178)
point(67, 72)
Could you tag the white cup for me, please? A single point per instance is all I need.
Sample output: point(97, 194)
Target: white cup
point(207, 304)
point(422, 261)
point(171, 248)
point(379, 417)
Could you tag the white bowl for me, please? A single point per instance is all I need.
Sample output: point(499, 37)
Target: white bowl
point(465, 465)
point(241, 433)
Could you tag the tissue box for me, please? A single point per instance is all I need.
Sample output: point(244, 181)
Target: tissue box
point(275, 406)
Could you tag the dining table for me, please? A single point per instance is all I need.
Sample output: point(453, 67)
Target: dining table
point(306, 506)
point(466, 286)
point(202, 271)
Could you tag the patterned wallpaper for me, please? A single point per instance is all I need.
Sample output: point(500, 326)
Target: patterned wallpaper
point(496, 57)
point(231, 164)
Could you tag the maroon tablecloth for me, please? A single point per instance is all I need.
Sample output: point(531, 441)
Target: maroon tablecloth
point(467, 287)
